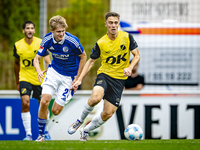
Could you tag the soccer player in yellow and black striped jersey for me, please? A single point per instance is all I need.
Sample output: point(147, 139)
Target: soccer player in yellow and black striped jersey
point(27, 80)
point(114, 51)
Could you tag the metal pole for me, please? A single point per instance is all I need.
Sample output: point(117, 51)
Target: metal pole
point(43, 18)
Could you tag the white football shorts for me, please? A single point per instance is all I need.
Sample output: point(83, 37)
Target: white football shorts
point(55, 82)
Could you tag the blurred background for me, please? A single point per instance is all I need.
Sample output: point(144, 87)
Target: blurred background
point(167, 32)
point(168, 36)
point(85, 19)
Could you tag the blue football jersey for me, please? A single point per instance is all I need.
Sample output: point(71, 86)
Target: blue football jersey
point(65, 53)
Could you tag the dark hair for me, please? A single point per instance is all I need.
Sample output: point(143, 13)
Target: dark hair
point(113, 14)
point(27, 22)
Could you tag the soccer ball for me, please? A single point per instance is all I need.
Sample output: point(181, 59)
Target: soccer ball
point(133, 132)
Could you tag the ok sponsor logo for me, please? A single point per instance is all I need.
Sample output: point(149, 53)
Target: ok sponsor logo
point(117, 60)
point(27, 62)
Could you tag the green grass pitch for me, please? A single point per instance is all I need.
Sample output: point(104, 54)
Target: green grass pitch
point(180, 144)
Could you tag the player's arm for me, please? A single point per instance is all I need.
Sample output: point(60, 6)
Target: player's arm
point(89, 64)
point(36, 63)
point(16, 66)
point(136, 59)
point(83, 58)
point(47, 61)
point(134, 50)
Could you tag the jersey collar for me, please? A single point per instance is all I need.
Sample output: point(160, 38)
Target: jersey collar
point(61, 42)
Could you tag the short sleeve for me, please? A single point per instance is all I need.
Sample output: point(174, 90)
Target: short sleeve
point(133, 43)
point(95, 52)
point(78, 47)
point(15, 52)
point(46, 53)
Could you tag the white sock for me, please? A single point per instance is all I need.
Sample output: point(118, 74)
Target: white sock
point(86, 110)
point(95, 123)
point(26, 120)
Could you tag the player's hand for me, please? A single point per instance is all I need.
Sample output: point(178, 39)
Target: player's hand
point(127, 72)
point(74, 81)
point(75, 85)
point(41, 75)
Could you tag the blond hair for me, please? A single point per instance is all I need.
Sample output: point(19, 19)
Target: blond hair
point(57, 21)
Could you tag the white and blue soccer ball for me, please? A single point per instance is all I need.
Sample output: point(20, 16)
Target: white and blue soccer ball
point(133, 132)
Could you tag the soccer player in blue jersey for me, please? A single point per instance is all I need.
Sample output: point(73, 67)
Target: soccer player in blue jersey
point(69, 58)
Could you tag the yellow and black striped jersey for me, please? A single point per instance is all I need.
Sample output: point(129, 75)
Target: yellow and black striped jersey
point(26, 53)
point(115, 55)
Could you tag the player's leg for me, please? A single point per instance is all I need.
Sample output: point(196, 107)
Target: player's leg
point(49, 85)
point(98, 91)
point(96, 97)
point(43, 110)
point(25, 92)
point(26, 116)
point(108, 110)
point(37, 90)
point(112, 97)
point(63, 94)
point(46, 133)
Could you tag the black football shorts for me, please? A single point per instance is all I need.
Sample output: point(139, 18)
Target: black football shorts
point(25, 88)
point(113, 88)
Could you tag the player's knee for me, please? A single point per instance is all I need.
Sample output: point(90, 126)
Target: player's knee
point(55, 112)
point(94, 100)
point(44, 103)
point(106, 115)
point(25, 106)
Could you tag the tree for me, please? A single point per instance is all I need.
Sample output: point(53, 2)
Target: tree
point(12, 16)
point(85, 19)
